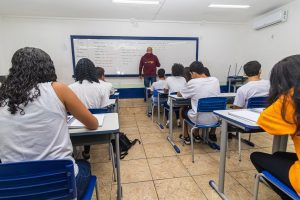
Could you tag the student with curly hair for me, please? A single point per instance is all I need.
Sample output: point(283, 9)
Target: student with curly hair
point(88, 89)
point(174, 84)
point(33, 113)
point(282, 117)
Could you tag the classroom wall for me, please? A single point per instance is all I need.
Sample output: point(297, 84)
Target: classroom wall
point(3, 70)
point(220, 44)
point(274, 43)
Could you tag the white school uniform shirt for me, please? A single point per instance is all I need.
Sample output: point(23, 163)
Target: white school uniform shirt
point(201, 88)
point(109, 90)
point(158, 85)
point(258, 88)
point(92, 95)
point(174, 84)
point(40, 134)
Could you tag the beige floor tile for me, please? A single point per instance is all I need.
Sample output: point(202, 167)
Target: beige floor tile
point(160, 149)
point(261, 140)
point(135, 171)
point(147, 123)
point(183, 188)
point(247, 179)
point(104, 191)
point(153, 138)
point(130, 130)
point(149, 130)
point(132, 124)
point(204, 164)
point(233, 163)
point(199, 148)
point(99, 154)
point(126, 111)
point(137, 191)
point(103, 171)
point(233, 190)
point(136, 151)
point(167, 167)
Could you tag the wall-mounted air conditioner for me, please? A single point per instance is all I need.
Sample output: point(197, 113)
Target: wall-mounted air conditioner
point(270, 19)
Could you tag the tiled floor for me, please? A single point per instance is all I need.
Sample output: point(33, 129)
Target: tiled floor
point(152, 169)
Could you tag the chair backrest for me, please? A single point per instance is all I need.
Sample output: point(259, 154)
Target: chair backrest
point(100, 110)
point(257, 102)
point(211, 103)
point(155, 93)
point(48, 179)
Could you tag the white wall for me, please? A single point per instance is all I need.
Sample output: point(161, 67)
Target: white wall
point(3, 70)
point(274, 43)
point(220, 44)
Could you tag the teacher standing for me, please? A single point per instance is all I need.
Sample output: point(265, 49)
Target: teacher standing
point(148, 65)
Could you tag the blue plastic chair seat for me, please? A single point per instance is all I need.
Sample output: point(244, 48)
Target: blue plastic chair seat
point(203, 125)
point(267, 175)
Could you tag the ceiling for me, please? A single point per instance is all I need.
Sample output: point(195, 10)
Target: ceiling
point(171, 10)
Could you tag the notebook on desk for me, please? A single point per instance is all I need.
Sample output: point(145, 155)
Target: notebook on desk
point(74, 123)
point(249, 115)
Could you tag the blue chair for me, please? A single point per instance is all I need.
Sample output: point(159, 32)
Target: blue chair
point(100, 110)
point(47, 179)
point(268, 176)
point(254, 102)
point(168, 109)
point(205, 105)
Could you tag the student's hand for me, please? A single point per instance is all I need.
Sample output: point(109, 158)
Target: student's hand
point(75, 106)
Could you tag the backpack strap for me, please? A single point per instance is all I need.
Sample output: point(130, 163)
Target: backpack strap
point(123, 154)
point(134, 141)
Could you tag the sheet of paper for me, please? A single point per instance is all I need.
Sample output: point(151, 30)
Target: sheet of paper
point(74, 123)
point(245, 115)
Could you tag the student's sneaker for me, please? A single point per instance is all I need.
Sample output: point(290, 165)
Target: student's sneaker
point(178, 123)
point(86, 156)
point(187, 140)
point(167, 124)
point(212, 137)
point(197, 138)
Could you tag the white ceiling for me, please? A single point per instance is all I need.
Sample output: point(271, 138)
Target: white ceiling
point(172, 10)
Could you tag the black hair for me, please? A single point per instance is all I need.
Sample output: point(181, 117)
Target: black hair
point(100, 72)
point(206, 72)
point(161, 73)
point(197, 67)
point(30, 66)
point(177, 69)
point(252, 68)
point(85, 70)
point(187, 74)
point(285, 76)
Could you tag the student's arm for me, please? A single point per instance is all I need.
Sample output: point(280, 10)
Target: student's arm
point(239, 100)
point(75, 106)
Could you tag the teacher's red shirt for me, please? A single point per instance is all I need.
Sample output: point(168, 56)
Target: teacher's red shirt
point(148, 65)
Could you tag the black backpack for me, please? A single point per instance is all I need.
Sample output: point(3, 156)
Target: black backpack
point(125, 144)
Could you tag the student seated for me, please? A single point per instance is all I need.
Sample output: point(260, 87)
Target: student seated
point(33, 114)
point(109, 89)
point(89, 90)
point(200, 86)
point(160, 84)
point(174, 84)
point(187, 74)
point(256, 87)
point(282, 118)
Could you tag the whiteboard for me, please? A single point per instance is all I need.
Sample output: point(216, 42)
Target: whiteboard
point(120, 56)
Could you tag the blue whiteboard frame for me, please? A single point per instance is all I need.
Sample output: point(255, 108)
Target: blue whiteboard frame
point(72, 37)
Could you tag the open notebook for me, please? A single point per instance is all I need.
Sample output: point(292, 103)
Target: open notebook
point(249, 115)
point(74, 123)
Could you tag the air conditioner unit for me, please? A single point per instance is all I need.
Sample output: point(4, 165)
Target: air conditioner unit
point(270, 19)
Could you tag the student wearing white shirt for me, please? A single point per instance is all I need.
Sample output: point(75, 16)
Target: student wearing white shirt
point(256, 87)
point(88, 89)
point(33, 114)
point(174, 84)
point(160, 84)
point(200, 86)
point(109, 89)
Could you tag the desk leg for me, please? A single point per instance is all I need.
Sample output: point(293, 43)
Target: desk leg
point(220, 189)
point(171, 119)
point(119, 190)
point(158, 110)
point(279, 143)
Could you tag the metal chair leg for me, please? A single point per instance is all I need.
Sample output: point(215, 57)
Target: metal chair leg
point(256, 186)
point(97, 192)
point(152, 111)
point(192, 143)
point(113, 163)
point(183, 125)
point(240, 153)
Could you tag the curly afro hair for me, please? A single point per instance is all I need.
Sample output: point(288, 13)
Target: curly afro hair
point(86, 70)
point(30, 66)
